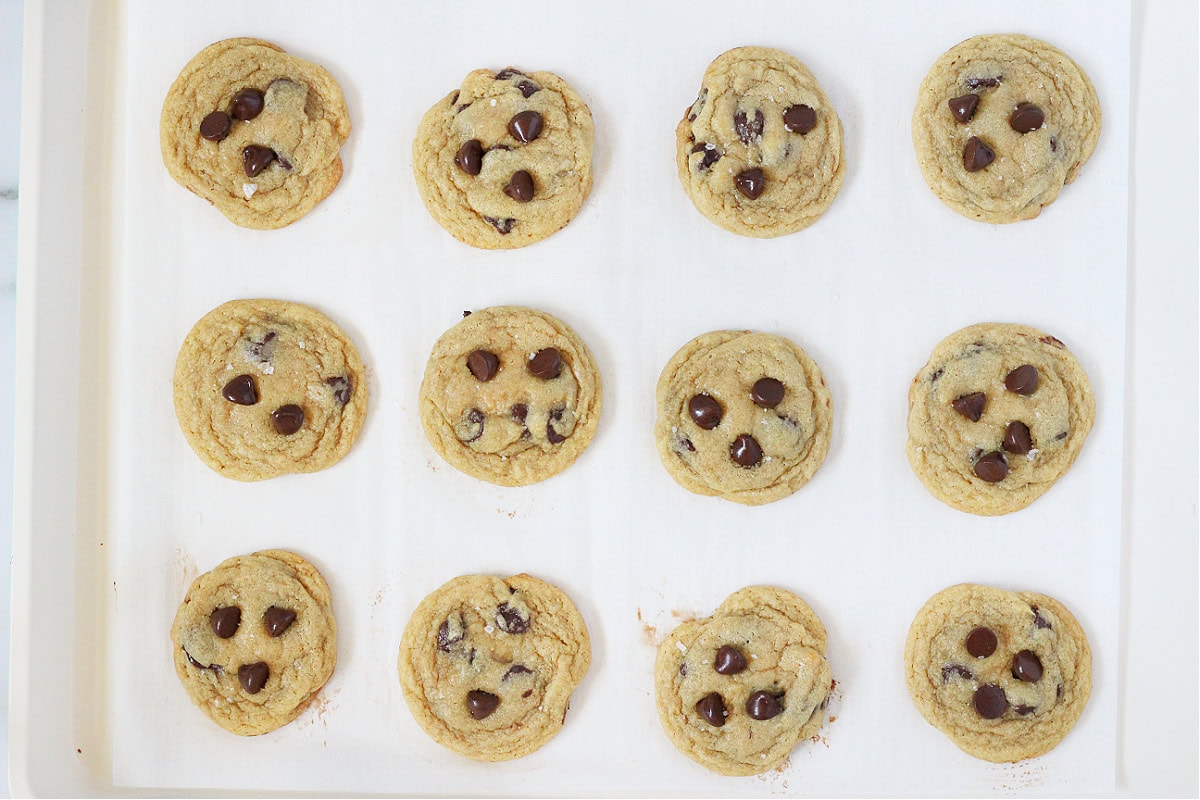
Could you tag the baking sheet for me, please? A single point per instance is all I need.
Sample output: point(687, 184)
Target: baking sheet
point(867, 291)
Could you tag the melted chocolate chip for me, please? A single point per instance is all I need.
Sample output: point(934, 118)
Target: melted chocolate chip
point(686, 444)
point(705, 411)
point(963, 108)
point(525, 126)
point(278, 620)
point(1017, 439)
point(750, 183)
point(241, 390)
point(546, 364)
point(507, 73)
point(256, 158)
point(683, 669)
point(519, 412)
point(520, 186)
point(283, 162)
point(287, 419)
point(215, 127)
point(262, 352)
point(729, 660)
point(247, 104)
point(341, 388)
point(991, 467)
point(469, 157)
point(214, 667)
point(225, 621)
point(763, 705)
point(474, 430)
point(989, 701)
point(1059, 692)
point(515, 669)
point(1024, 711)
point(509, 619)
point(1022, 380)
point(982, 83)
point(1053, 144)
point(253, 677)
point(483, 365)
point(950, 670)
point(1026, 118)
point(977, 155)
point(937, 373)
point(553, 436)
point(1026, 666)
point(504, 226)
point(745, 451)
point(971, 405)
point(712, 708)
point(528, 88)
point(480, 704)
point(444, 640)
point(711, 154)
point(1038, 620)
point(747, 127)
point(767, 392)
point(799, 119)
point(981, 642)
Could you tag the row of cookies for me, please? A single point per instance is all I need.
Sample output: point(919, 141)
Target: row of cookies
point(1001, 124)
point(488, 665)
point(513, 396)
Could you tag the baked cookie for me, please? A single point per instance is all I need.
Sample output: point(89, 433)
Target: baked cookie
point(1004, 674)
point(1002, 123)
point(760, 151)
point(736, 691)
point(488, 664)
point(510, 395)
point(255, 640)
point(255, 132)
point(266, 387)
point(744, 416)
point(505, 160)
point(997, 415)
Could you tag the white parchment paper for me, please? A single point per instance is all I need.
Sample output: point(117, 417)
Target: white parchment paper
point(867, 291)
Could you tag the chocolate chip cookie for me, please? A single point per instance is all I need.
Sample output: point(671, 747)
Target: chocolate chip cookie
point(744, 416)
point(488, 664)
point(510, 395)
point(1002, 123)
point(736, 691)
point(254, 131)
point(1004, 674)
point(266, 387)
point(506, 159)
point(997, 415)
point(255, 640)
point(760, 151)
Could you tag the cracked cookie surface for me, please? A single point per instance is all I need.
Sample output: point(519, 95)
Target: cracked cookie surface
point(510, 396)
point(738, 690)
point(996, 416)
point(760, 150)
point(255, 640)
point(1005, 675)
point(743, 416)
point(488, 665)
point(265, 387)
point(254, 131)
point(505, 160)
point(1002, 123)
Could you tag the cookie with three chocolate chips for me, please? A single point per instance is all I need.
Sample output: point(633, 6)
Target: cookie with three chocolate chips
point(1005, 675)
point(254, 131)
point(488, 665)
point(505, 160)
point(1002, 123)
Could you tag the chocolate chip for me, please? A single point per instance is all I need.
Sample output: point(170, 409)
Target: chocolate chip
point(261, 352)
point(799, 119)
point(951, 670)
point(515, 669)
point(483, 365)
point(287, 419)
point(444, 639)
point(1038, 620)
point(712, 708)
point(982, 83)
point(686, 444)
point(991, 467)
point(763, 705)
point(729, 660)
point(750, 183)
point(520, 186)
point(1058, 437)
point(507, 73)
point(1059, 692)
point(519, 412)
point(981, 642)
point(247, 104)
point(747, 127)
point(939, 372)
point(480, 704)
point(1024, 711)
point(1022, 380)
point(553, 436)
point(711, 154)
point(256, 158)
point(278, 620)
point(745, 451)
point(683, 669)
point(1026, 118)
point(1026, 666)
point(241, 390)
point(977, 155)
point(215, 127)
point(283, 162)
point(546, 364)
point(225, 621)
point(767, 392)
point(705, 411)
point(214, 667)
point(469, 157)
point(474, 426)
point(971, 405)
point(963, 108)
point(502, 225)
point(1017, 439)
point(525, 126)
point(528, 88)
point(989, 701)
point(341, 388)
point(1053, 144)
point(253, 677)
point(509, 619)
